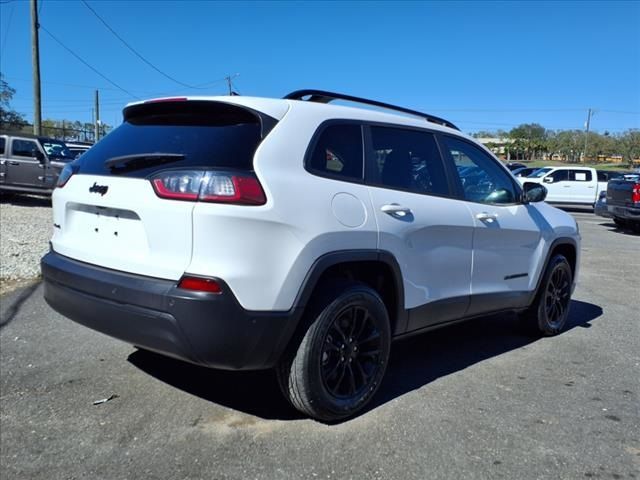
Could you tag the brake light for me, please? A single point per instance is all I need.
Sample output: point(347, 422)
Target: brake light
point(209, 186)
point(635, 195)
point(66, 173)
point(200, 284)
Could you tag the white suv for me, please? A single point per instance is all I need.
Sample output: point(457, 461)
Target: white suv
point(253, 233)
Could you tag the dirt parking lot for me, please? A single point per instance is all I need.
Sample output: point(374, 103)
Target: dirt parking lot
point(478, 400)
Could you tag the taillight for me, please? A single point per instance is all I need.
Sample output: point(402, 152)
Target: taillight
point(209, 186)
point(65, 175)
point(635, 196)
point(200, 284)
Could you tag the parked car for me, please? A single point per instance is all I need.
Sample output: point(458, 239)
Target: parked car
point(295, 234)
point(524, 171)
point(569, 185)
point(78, 148)
point(31, 164)
point(623, 201)
point(514, 165)
point(601, 206)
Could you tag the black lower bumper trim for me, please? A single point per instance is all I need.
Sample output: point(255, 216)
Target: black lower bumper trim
point(206, 329)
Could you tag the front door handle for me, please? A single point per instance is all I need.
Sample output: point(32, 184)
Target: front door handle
point(487, 217)
point(14, 163)
point(396, 210)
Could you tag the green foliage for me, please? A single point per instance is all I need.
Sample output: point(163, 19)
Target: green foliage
point(9, 119)
point(531, 141)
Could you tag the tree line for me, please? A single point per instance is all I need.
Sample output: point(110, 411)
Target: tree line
point(70, 130)
point(525, 142)
point(532, 141)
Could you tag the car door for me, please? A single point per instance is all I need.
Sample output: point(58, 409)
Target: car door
point(23, 167)
point(420, 224)
point(583, 186)
point(507, 236)
point(558, 186)
point(3, 159)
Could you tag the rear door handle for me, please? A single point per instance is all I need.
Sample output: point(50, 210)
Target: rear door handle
point(396, 210)
point(14, 163)
point(487, 217)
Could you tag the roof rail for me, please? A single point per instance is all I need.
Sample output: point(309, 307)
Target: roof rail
point(321, 96)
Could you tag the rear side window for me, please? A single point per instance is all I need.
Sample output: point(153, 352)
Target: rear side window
point(24, 148)
point(580, 175)
point(408, 160)
point(205, 134)
point(338, 152)
point(3, 141)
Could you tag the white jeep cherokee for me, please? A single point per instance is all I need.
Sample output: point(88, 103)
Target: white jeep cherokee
point(253, 233)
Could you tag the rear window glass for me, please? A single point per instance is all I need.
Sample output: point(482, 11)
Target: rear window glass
point(207, 134)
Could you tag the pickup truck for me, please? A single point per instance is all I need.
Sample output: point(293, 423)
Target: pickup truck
point(623, 201)
point(31, 164)
point(569, 185)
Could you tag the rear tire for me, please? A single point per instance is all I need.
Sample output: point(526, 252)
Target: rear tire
point(549, 312)
point(342, 357)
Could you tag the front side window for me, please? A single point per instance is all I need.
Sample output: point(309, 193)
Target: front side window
point(24, 148)
point(338, 152)
point(559, 176)
point(482, 179)
point(408, 160)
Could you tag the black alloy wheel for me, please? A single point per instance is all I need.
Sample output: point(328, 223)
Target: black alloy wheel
point(341, 359)
point(550, 309)
point(351, 354)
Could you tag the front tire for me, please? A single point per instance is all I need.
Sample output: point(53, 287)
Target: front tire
point(549, 312)
point(342, 357)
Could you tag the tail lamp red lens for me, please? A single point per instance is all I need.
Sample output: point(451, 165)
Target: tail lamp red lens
point(200, 284)
point(635, 196)
point(209, 186)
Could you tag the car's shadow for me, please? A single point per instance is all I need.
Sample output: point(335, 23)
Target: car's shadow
point(414, 363)
point(23, 200)
point(623, 231)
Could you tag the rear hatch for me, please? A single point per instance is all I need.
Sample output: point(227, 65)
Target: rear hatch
point(620, 192)
point(108, 212)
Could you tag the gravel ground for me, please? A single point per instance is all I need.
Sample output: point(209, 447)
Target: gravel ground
point(25, 230)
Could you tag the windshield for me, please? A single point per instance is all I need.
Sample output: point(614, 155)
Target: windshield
point(57, 150)
point(541, 172)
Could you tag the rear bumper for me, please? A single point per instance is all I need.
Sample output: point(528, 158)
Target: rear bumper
point(624, 212)
point(202, 328)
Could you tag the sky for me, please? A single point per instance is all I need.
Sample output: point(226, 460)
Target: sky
point(481, 65)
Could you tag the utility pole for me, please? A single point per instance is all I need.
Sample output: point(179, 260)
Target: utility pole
point(228, 79)
point(35, 61)
point(96, 125)
point(586, 137)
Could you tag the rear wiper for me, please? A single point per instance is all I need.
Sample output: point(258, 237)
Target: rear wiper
point(141, 160)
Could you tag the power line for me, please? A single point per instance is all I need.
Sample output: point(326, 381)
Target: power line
point(86, 64)
point(6, 33)
point(135, 52)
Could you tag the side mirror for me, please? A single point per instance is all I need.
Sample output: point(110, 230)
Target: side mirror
point(534, 192)
point(39, 155)
point(547, 179)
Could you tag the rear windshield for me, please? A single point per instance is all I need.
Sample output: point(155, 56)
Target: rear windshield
point(206, 134)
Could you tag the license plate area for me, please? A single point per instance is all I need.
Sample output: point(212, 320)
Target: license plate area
point(107, 227)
